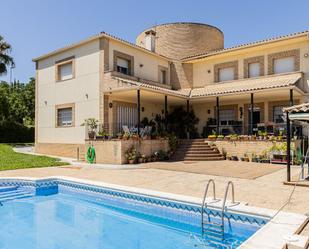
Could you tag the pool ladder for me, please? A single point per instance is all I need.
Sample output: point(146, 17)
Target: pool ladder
point(215, 229)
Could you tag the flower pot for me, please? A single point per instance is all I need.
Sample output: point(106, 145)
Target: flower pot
point(131, 161)
point(141, 160)
point(91, 134)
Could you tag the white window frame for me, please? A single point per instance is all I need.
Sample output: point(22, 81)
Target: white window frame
point(68, 115)
point(59, 67)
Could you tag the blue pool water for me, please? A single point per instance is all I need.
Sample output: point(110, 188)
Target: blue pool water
point(63, 218)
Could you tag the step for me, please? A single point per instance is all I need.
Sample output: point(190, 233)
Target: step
point(8, 188)
point(203, 159)
point(208, 153)
point(20, 196)
point(12, 193)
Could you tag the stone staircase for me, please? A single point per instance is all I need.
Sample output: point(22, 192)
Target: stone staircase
point(196, 150)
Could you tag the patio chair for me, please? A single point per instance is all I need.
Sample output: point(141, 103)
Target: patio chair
point(126, 129)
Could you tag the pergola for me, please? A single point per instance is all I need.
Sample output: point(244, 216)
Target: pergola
point(294, 113)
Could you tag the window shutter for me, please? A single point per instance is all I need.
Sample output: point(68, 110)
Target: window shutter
point(226, 74)
point(284, 65)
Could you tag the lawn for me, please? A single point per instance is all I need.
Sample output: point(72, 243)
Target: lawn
point(9, 159)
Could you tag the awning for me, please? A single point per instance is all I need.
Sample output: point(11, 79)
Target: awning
point(247, 85)
point(299, 116)
point(216, 89)
point(129, 84)
point(297, 108)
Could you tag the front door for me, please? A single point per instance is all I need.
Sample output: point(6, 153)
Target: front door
point(256, 118)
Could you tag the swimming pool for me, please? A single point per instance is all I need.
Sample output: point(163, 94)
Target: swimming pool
point(62, 214)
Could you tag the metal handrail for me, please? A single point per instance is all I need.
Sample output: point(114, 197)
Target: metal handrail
point(230, 183)
point(204, 198)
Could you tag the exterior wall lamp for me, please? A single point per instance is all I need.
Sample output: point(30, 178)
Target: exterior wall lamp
point(241, 112)
point(110, 105)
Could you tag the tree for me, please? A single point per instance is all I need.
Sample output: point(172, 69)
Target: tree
point(5, 59)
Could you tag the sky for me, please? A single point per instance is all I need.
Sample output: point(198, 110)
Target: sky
point(36, 27)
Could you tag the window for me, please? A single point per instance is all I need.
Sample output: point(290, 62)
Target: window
point(65, 117)
point(278, 114)
point(227, 116)
point(254, 70)
point(163, 76)
point(65, 71)
point(126, 116)
point(226, 74)
point(284, 65)
point(123, 66)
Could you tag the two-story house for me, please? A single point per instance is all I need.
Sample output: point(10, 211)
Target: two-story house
point(231, 90)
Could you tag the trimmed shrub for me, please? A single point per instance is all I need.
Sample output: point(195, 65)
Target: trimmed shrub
point(13, 132)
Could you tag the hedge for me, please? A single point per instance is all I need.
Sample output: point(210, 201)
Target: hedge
point(12, 132)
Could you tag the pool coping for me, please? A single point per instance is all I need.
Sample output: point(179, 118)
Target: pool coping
point(275, 234)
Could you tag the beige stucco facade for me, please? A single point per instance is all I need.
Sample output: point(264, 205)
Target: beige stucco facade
point(96, 88)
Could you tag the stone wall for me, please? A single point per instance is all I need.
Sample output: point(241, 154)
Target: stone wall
point(113, 151)
point(109, 151)
point(61, 150)
point(239, 148)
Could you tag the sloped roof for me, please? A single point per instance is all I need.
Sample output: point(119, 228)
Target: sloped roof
point(94, 37)
point(246, 45)
point(221, 88)
point(298, 108)
point(247, 85)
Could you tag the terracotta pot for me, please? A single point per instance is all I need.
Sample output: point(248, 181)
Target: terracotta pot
point(131, 161)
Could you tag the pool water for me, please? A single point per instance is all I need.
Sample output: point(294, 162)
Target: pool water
point(70, 221)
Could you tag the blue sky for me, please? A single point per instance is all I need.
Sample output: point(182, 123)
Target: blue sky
point(35, 27)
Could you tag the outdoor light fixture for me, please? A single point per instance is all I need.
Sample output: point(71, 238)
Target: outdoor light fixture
point(86, 95)
point(208, 111)
point(110, 105)
point(241, 111)
point(45, 102)
point(143, 109)
point(306, 55)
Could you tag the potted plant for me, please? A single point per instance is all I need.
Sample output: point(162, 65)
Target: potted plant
point(220, 137)
point(255, 158)
point(135, 137)
point(125, 136)
point(245, 158)
point(212, 137)
point(131, 155)
point(92, 125)
point(141, 158)
point(234, 158)
point(228, 156)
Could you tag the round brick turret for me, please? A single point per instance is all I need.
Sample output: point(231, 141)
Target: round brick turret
point(179, 40)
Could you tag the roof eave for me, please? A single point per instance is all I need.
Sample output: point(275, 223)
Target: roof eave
point(193, 58)
point(92, 38)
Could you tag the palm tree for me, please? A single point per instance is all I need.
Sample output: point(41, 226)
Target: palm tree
point(5, 59)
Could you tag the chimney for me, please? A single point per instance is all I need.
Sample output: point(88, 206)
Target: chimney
point(150, 40)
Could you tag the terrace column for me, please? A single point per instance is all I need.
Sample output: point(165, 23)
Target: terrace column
point(291, 104)
point(165, 111)
point(217, 115)
point(288, 139)
point(188, 110)
point(288, 147)
point(251, 113)
point(138, 112)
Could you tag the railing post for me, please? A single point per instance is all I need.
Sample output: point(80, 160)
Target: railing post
point(291, 104)
point(188, 110)
point(251, 114)
point(288, 147)
point(165, 111)
point(138, 112)
point(217, 115)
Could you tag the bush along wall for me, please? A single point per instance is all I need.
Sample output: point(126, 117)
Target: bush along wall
point(13, 132)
